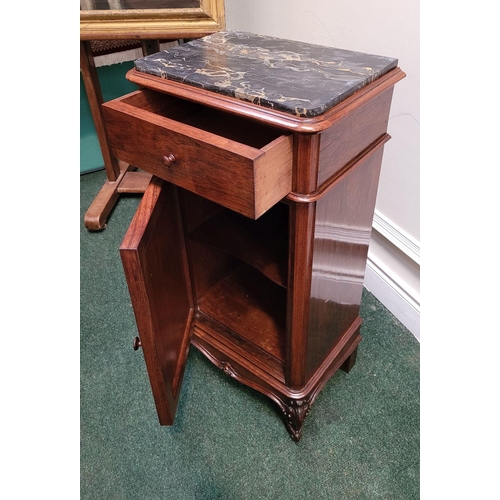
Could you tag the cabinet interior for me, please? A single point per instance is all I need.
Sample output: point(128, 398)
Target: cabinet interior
point(232, 127)
point(239, 269)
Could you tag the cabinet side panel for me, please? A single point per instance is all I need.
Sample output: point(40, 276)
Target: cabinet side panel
point(342, 232)
point(353, 133)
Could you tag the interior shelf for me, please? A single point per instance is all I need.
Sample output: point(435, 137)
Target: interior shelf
point(261, 243)
point(251, 306)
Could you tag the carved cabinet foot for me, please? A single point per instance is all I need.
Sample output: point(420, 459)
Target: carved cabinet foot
point(295, 412)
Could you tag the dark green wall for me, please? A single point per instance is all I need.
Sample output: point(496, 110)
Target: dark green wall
point(113, 84)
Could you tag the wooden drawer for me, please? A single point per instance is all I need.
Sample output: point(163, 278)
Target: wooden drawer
point(234, 161)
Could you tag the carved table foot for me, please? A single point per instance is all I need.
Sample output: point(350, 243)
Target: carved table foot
point(129, 181)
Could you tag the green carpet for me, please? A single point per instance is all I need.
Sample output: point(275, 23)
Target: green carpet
point(360, 441)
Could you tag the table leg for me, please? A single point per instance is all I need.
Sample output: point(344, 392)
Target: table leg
point(122, 178)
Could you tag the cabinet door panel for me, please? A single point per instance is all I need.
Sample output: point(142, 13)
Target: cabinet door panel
point(155, 263)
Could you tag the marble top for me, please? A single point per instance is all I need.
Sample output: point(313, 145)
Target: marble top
point(295, 77)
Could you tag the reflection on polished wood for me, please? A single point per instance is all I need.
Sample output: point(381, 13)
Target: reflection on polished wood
point(341, 237)
point(275, 301)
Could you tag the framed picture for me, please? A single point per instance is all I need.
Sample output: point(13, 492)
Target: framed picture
point(149, 19)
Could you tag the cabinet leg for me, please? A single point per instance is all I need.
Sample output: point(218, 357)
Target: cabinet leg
point(295, 412)
point(350, 361)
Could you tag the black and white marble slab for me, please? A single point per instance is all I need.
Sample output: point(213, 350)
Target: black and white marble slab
point(295, 77)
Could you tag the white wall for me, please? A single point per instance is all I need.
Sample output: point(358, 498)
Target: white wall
point(389, 28)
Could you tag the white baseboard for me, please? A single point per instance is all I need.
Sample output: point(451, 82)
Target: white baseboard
point(397, 236)
point(393, 297)
point(390, 271)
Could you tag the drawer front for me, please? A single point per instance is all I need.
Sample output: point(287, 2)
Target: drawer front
point(244, 178)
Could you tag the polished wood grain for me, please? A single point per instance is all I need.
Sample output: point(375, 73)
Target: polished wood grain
point(341, 238)
point(301, 228)
point(155, 265)
point(275, 300)
point(234, 174)
point(353, 133)
point(302, 217)
point(316, 194)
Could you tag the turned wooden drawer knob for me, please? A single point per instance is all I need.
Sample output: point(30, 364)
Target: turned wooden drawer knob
point(137, 343)
point(167, 160)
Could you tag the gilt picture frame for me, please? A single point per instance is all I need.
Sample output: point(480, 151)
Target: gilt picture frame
point(114, 20)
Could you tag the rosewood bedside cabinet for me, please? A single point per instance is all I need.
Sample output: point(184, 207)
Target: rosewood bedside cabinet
point(251, 240)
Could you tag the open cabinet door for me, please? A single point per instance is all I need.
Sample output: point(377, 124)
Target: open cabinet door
point(154, 258)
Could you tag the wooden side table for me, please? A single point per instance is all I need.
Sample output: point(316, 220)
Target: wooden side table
point(121, 177)
point(252, 237)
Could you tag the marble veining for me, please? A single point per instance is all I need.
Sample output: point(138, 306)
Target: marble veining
point(295, 77)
